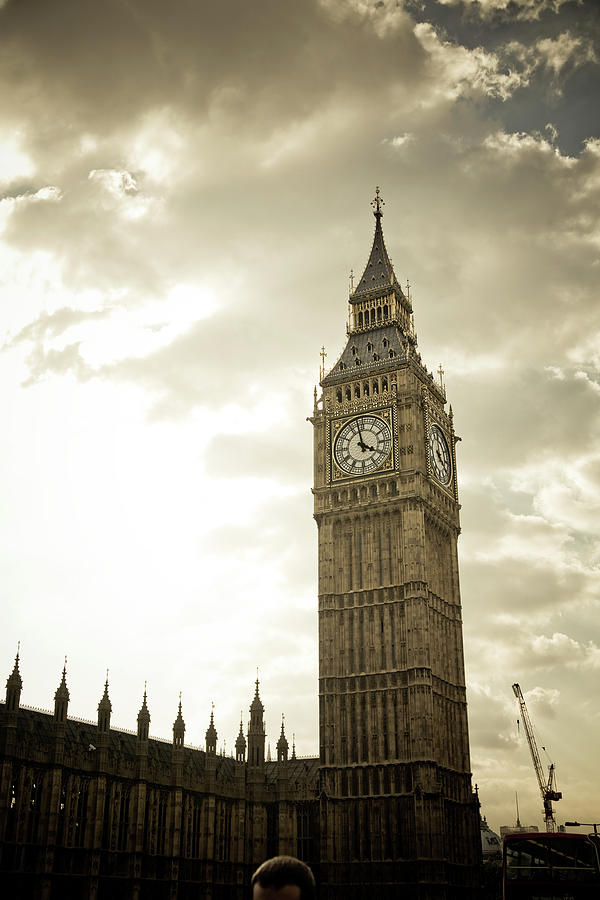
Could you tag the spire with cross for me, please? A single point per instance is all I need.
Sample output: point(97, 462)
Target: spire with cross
point(377, 203)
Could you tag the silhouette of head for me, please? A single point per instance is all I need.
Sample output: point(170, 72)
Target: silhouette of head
point(283, 878)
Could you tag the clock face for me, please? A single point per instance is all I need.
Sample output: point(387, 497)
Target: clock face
point(362, 445)
point(439, 455)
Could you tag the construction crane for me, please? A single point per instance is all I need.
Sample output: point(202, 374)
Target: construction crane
point(547, 788)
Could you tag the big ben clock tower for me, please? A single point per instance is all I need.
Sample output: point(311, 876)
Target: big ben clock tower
point(398, 816)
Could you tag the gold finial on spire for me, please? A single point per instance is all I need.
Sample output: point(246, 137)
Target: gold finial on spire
point(408, 289)
point(441, 374)
point(323, 356)
point(377, 203)
point(351, 281)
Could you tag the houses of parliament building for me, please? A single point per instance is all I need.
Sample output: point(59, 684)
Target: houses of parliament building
point(91, 812)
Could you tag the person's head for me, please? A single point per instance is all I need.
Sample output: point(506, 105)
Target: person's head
point(283, 878)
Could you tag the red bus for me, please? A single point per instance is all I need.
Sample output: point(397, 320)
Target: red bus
point(551, 866)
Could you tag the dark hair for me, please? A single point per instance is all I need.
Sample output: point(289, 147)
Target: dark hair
point(282, 870)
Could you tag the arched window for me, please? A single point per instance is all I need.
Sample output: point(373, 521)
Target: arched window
point(379, 314)
point(385, 342)
point(372, 317)
point(375, 387)
point(348, 394)
point(339, 395)
point(384, 384)
point(360, 320)
point(369, 346)
point(385, 311)
point(392, 353)
point(357, 390)
point(366, 389)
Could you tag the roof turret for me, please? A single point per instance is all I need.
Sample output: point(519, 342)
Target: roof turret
point(104, 709)
point(381, 332)
point(14, 686)
point(240, 744)
point(256, 705)
point(178, 728)
point(61, 697)
point(62, 691)
point(282, 744)
point(211, 734)
point(143, 719)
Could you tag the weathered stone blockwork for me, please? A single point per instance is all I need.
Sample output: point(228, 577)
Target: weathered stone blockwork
point(397, 809)
point(92, 813)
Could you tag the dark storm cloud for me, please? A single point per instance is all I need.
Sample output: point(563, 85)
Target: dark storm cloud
point(568, 101)
point(109, 62)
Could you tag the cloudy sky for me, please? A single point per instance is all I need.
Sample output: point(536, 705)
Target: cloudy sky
point(184, 189)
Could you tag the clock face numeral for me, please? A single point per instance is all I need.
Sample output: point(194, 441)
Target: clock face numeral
point(439, 455)
point(363, 445)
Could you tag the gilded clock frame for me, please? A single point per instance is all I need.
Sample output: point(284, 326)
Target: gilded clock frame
point(432, 417)
point(336, 423)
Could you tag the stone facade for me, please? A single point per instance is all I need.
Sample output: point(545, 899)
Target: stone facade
point(88, 811)
point(395, 769)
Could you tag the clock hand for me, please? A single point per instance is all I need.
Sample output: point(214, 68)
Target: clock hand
point(361, 443)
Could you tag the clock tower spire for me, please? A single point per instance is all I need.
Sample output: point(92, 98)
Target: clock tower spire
point(394, 749)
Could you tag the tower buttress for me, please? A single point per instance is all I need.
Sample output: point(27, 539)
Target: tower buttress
point(61, 705)
point(177, 751)
point(143, 731)
point(256, 734)
point(14, 686)
point(104, 713)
